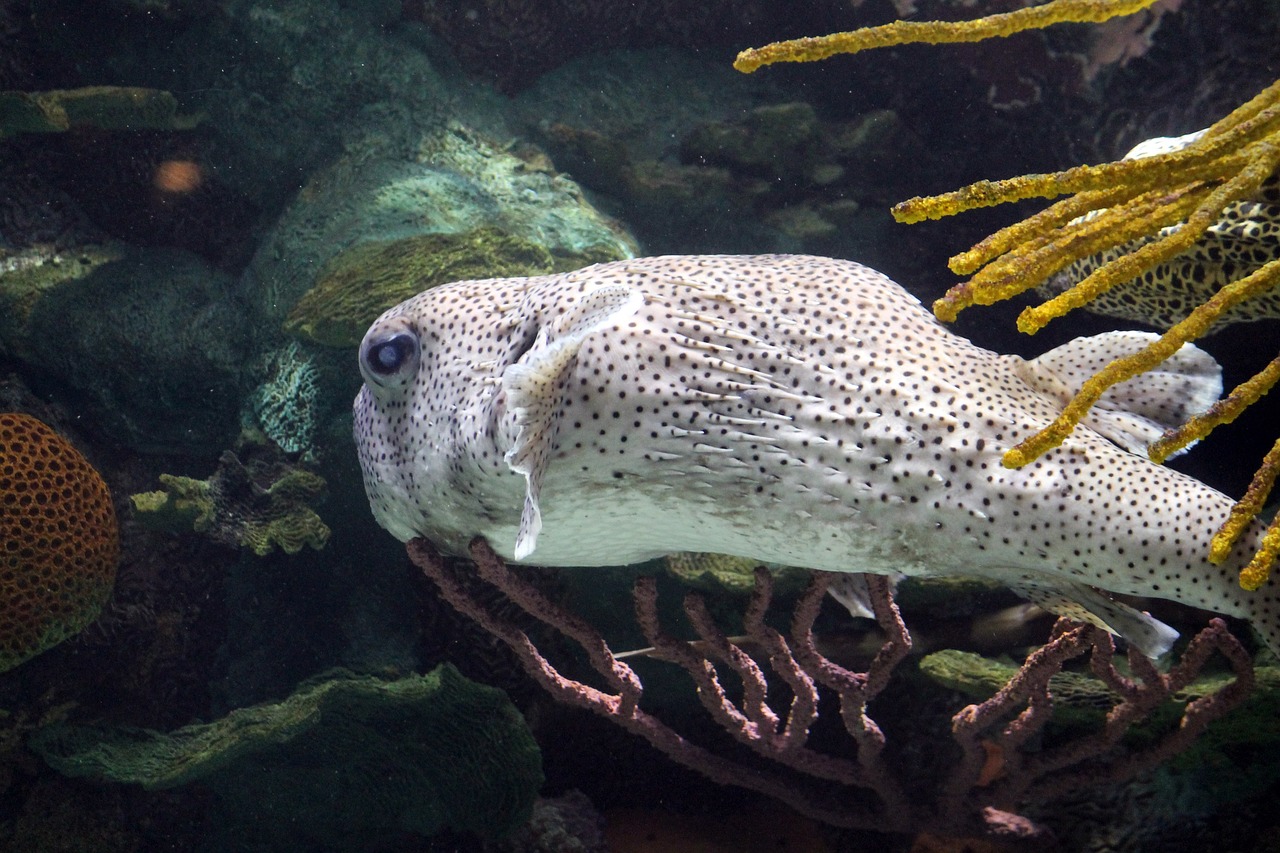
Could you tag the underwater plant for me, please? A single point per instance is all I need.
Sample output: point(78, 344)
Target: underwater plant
point(1140, 212)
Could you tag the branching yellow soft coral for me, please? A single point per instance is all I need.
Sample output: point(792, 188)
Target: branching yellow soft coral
point(937, 32)
point(1161, 204)
point(1111, 205)
point(1122, 369)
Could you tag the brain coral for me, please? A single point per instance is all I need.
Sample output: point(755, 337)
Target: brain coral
point(59, 543)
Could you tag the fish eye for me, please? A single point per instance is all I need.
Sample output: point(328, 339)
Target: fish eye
point(389, 356)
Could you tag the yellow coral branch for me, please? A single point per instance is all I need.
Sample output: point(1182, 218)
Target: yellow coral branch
point(1258, 571)
point(1113, 204)
point(1222, 412)
point(1195, 325)
point(937, 32)
point(1040, 256)
point(1262, 163)
point(1248, 507)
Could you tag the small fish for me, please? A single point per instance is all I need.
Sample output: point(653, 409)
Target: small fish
point(795, 410)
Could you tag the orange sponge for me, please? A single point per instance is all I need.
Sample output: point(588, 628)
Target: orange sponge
point(59, 543)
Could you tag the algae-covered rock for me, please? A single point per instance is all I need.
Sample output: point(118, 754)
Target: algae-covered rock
point(1078, 697)
point(462, 190)
point(1081, 698)
point(260, 506)
point(28, 274)
point(148, 342)
point(105, 107)
point(346, 760)
point(356, 286)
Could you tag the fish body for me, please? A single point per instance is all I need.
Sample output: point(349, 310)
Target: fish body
point(792, 409)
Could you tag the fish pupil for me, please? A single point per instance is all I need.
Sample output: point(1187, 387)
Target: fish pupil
point(389, 356)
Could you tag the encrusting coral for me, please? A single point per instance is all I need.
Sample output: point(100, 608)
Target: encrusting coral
point(59, 543)
point(109, 107)
point(1110, 206)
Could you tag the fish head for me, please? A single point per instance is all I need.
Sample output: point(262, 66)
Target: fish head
point(431, 425)
point(458, 412)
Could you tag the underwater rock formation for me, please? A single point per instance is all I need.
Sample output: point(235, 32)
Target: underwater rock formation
point(59, 543)
point(157, 351)
point(260, 505)
point(346, 760)
point(514, 42)
point(460, 184)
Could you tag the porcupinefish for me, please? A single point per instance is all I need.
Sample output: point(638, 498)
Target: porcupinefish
point(797, 410)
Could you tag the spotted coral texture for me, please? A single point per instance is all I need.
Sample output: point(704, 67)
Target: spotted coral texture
point(59, 543)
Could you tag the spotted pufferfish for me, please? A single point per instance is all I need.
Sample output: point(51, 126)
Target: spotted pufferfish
point(796, 410)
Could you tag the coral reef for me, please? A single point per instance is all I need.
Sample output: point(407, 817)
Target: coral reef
point(1172, 190)
point(344, 761)
point(987, 788)
point(262, 504)
point(156, 358)
point(59, 543)
point(566, 824)
point(514, 42)
point(809, 184)
point(721, 572)
point(27, 275)
point(1191, 182)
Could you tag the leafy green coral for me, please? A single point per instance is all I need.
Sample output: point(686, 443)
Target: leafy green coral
point(343, 761)
point(107, 107)
point(361, 282)
point(233, 508)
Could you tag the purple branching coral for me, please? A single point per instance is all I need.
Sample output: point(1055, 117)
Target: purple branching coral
point(993, 778)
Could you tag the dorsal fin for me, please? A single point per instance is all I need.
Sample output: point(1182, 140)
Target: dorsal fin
point(1135, 413)
point(534, 386)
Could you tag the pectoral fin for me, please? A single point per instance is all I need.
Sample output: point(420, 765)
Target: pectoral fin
point(1082, 603)
point(535, 389)
point(852, 592)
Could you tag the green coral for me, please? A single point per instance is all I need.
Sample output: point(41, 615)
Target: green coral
point(343, 761)
point(723, 573)
point(1079, 698)
point(107, 107)
point(358, 284)
point(233, 508)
